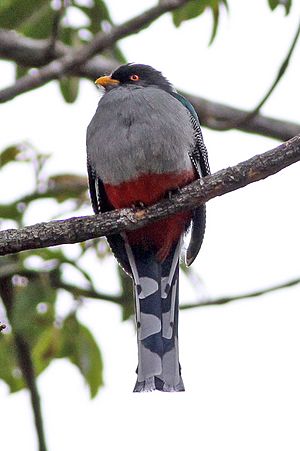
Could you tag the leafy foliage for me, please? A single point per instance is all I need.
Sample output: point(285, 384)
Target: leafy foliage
point(31, 284)
point(38, 19)
point(285, 3)
point(80, 347)
point(196, 8)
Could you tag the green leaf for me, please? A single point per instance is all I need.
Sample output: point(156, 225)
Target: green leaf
point(44, 351)
point(195, 8)
point(80, 347)
point(273, 4)
point(46, 348)
point(97, 14)
point(286, 4)
point(21, 71)
point(189, 11)
point(10, 372)
point(13, 13)
point(9, 266)
point(66, 34)
point(69, 87)
point(40, 24)
point(33, 306)
point(10, 211)
point(8, 155)
point(215, 13)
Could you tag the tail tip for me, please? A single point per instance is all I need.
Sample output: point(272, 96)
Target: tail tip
point(155, 383)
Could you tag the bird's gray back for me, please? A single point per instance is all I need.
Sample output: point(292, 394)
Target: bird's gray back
point(138, 131)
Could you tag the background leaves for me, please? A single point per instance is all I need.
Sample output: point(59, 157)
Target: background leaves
point(30, 285)
point(39, 19)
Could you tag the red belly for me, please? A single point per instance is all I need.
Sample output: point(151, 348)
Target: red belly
point(148, 189)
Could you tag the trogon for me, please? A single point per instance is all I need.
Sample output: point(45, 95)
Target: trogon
point(143, 143)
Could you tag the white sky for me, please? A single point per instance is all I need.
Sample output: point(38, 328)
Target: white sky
point(240, 361)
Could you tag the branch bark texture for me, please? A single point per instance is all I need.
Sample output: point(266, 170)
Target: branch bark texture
point(83, 228)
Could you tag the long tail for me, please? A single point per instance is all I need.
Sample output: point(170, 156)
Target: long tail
point(156, 290)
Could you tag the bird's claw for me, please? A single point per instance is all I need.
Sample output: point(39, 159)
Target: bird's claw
point(139, 205)
point(172, 193)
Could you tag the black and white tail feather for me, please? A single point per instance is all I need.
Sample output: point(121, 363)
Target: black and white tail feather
point(156, 297)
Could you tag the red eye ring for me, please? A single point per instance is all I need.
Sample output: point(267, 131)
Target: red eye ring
point(134, 77)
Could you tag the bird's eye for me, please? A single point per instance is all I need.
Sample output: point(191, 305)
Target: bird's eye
point(134, 77)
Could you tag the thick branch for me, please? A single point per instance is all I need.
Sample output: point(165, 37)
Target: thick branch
point(79, 229)
point(35, 53)
point(213, 115)
point(59, 67)
point(30, 52)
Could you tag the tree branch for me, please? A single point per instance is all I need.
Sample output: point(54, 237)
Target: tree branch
point(213, 115)
point(88, 292)
point(59, 67)
point(118, 299)
point(34, 53)
point(30, 52)
point(55, 30)
point(83, 228)
point(26, 365)
point(253, 294)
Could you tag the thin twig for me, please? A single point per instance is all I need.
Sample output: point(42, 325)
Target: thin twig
point(253, 294)
point(87, 292)
point(24, 360)
point(26, 364)
point(80, 229)
point(249, 116)
point(94, 294)
point(50, 51)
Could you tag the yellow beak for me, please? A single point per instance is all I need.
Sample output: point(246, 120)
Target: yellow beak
point(106, 81)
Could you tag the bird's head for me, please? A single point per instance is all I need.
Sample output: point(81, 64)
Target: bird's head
point(139, 75)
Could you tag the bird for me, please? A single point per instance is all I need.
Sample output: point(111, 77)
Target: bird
point(144, 142)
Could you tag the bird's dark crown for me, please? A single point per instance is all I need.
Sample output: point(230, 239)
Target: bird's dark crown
point(141, 75)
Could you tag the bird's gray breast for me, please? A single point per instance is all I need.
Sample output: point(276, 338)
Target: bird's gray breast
point(139, 131)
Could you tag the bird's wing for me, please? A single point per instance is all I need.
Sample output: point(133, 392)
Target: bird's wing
point(101, 204)
point(199, 157)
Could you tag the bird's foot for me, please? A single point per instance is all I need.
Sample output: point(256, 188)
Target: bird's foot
point(139, 205)
point(170, 194)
